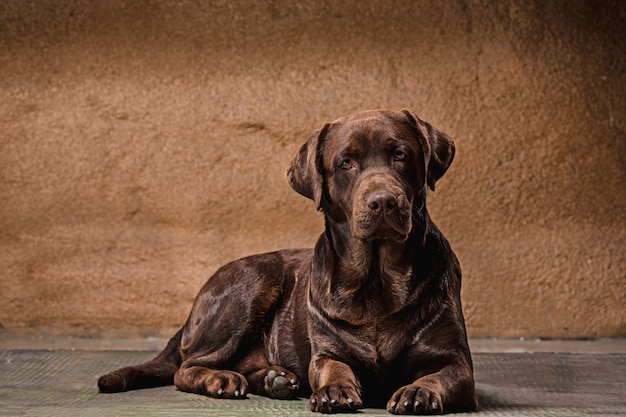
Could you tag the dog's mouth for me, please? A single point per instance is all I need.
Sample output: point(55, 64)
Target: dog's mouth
point(384, 229)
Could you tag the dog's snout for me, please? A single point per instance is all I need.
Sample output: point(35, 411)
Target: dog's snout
point(382, 201)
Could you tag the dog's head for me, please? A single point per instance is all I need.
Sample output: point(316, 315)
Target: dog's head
point(372, 170)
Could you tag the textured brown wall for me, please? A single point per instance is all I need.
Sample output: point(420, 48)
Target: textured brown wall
point(144, 143)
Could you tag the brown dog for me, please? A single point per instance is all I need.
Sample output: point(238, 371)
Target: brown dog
point(372, 313)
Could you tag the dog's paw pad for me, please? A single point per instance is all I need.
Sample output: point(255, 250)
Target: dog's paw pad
point(280, 383)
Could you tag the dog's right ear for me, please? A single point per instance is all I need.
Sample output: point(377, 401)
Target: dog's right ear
point(305, 171)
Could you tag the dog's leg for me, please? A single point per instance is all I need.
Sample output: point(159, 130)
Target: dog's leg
point(156, 372)
point(440, 366)
point(223, 337)
point(335, 387)
point(450, 389)
point(257, 377)
point(196, 377)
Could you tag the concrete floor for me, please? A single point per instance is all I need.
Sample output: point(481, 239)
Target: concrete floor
point(53, 376)
point(44, 341)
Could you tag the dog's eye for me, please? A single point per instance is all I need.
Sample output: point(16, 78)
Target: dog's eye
point(346, 164)
point(399, 156)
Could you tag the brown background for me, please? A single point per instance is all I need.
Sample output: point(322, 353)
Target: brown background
point(144, 143)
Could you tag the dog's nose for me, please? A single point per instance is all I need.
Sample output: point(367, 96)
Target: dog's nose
point(382, 201)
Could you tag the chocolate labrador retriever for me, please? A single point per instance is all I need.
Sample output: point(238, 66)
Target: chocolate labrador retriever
point(370, 316)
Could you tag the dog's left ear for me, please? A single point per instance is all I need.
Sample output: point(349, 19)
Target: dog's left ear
point(437, 146)
point(305, 171)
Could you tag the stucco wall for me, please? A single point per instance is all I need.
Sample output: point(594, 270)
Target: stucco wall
point(144, 143)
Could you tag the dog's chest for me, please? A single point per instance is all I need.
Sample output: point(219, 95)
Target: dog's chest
point(378, 344)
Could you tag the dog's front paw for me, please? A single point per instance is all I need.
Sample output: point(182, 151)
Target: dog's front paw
point(280, 383)
point(335, 398)
point(415, 399)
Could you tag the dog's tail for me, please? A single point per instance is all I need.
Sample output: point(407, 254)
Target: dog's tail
point(154, 373)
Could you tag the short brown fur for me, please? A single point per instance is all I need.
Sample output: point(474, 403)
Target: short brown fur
point(371, 316)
